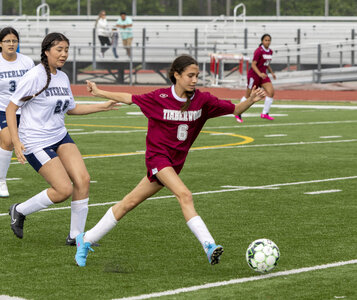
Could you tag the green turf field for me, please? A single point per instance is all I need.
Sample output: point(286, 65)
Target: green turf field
point(252, 189)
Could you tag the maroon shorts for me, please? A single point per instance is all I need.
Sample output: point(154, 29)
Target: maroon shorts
point(255, 80)
point(156, 163)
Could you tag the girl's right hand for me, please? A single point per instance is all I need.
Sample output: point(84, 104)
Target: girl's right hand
point(19, 152)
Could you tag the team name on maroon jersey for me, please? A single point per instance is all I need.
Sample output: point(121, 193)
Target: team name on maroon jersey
point(177, 115)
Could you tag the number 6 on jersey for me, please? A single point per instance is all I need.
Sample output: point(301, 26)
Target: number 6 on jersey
point(182, 132)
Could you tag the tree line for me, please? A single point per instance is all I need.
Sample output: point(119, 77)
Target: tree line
point(189, 8)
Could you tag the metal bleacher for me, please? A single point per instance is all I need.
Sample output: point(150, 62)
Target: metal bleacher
point(157, 40)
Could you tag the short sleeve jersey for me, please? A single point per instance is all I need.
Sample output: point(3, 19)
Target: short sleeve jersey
point(42, 118)
point(263, 57)
point(10, 74)
point(172, 132)
point(125, 32)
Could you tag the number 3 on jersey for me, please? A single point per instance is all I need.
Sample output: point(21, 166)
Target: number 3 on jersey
point(182, 132)
point(12, 86)
point(59, 108)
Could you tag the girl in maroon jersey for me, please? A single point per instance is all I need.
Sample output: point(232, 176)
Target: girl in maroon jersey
point(176, 116)
point(257, 76)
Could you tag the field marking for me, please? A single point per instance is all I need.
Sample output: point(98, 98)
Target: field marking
point(322, 192)
point(107, 132)
point(225, 190)
point(255, 115)
point(109, 155)
point(330, 137)
point(240, 280)
point(281, 124)
point(275, 135)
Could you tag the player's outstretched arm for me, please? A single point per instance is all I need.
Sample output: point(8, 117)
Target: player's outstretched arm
point(85, 109)
point(12, 125)
point(255, 96)
point(116, 96)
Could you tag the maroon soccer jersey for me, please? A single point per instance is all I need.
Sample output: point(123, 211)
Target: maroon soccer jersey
point(172, 132)
point(263, 57)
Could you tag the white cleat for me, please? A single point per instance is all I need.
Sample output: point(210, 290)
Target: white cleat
point(3, 189)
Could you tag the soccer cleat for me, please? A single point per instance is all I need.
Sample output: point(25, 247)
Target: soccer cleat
point(213, 253)
point(3, 189)
point(82, 250)
point(266, 116)
point(239, 118)
point(17, 221)
point(72, 242)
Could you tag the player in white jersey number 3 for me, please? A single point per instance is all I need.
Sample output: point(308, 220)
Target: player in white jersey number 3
point(44, 94)
point(13, 66)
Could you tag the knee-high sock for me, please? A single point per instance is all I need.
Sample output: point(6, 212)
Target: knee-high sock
point(199, 229)
point(5, 158)
point(106, 223)
point(79, 212)
point(36, 203)
point(267, 104)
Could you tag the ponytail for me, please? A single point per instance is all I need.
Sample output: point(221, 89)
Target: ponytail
point(48, 42)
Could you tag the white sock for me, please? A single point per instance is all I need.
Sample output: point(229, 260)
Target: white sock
point(5, 158)
point(105, 224)
point(79, 212)
point(243, 99)
point(36, 203)
point(268, 102)
point(199, 229)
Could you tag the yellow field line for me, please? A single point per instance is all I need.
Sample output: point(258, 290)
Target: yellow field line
point(246, 140)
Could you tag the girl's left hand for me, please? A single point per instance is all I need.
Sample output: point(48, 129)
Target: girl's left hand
point(273, 74)
point(111, 105)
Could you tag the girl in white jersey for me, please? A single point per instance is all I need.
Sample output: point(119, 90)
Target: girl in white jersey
point(12, 67)
point(44, 94)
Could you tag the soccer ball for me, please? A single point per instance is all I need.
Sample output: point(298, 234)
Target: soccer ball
point(262, 255)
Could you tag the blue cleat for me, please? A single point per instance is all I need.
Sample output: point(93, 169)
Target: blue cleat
point(213, 253)
point(82, 250)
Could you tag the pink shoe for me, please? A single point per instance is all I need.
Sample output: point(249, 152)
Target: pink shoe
point(266, 116)
point(239, 118)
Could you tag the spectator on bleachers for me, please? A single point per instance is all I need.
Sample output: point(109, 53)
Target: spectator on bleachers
point(115, 37)
point(103, 33)
point(125, 24)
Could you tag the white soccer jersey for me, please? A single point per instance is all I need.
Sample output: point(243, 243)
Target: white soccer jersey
point(10, 73)
point(42, 118)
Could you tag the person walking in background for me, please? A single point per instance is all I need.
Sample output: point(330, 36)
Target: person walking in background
point(13, 66)
point(103, 33)
point(115, 38)
point(257, 76)
point(125, 24)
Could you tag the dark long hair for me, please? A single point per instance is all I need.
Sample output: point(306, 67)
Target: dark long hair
point(263, 37)
point(179, 65)
point(8, 30)
point(48, 42)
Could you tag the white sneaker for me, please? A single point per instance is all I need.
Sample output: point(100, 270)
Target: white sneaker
point(3, 189)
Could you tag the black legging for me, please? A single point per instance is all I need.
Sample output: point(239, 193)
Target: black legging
point(104, 40)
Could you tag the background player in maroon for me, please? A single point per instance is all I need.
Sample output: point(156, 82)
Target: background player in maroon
point(257, 76)
point(175, 115)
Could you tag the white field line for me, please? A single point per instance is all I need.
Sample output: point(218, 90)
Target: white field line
point(240, 280)
point(330, 137)
point(282, 124)
point(275, 135)
point(233, 189)
point(106, 132)
point(225, 147)
point(322, 192)
point(254, 115)
point(290, 106)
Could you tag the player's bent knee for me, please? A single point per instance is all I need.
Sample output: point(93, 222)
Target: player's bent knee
point(185, 198)
point(64, 192)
